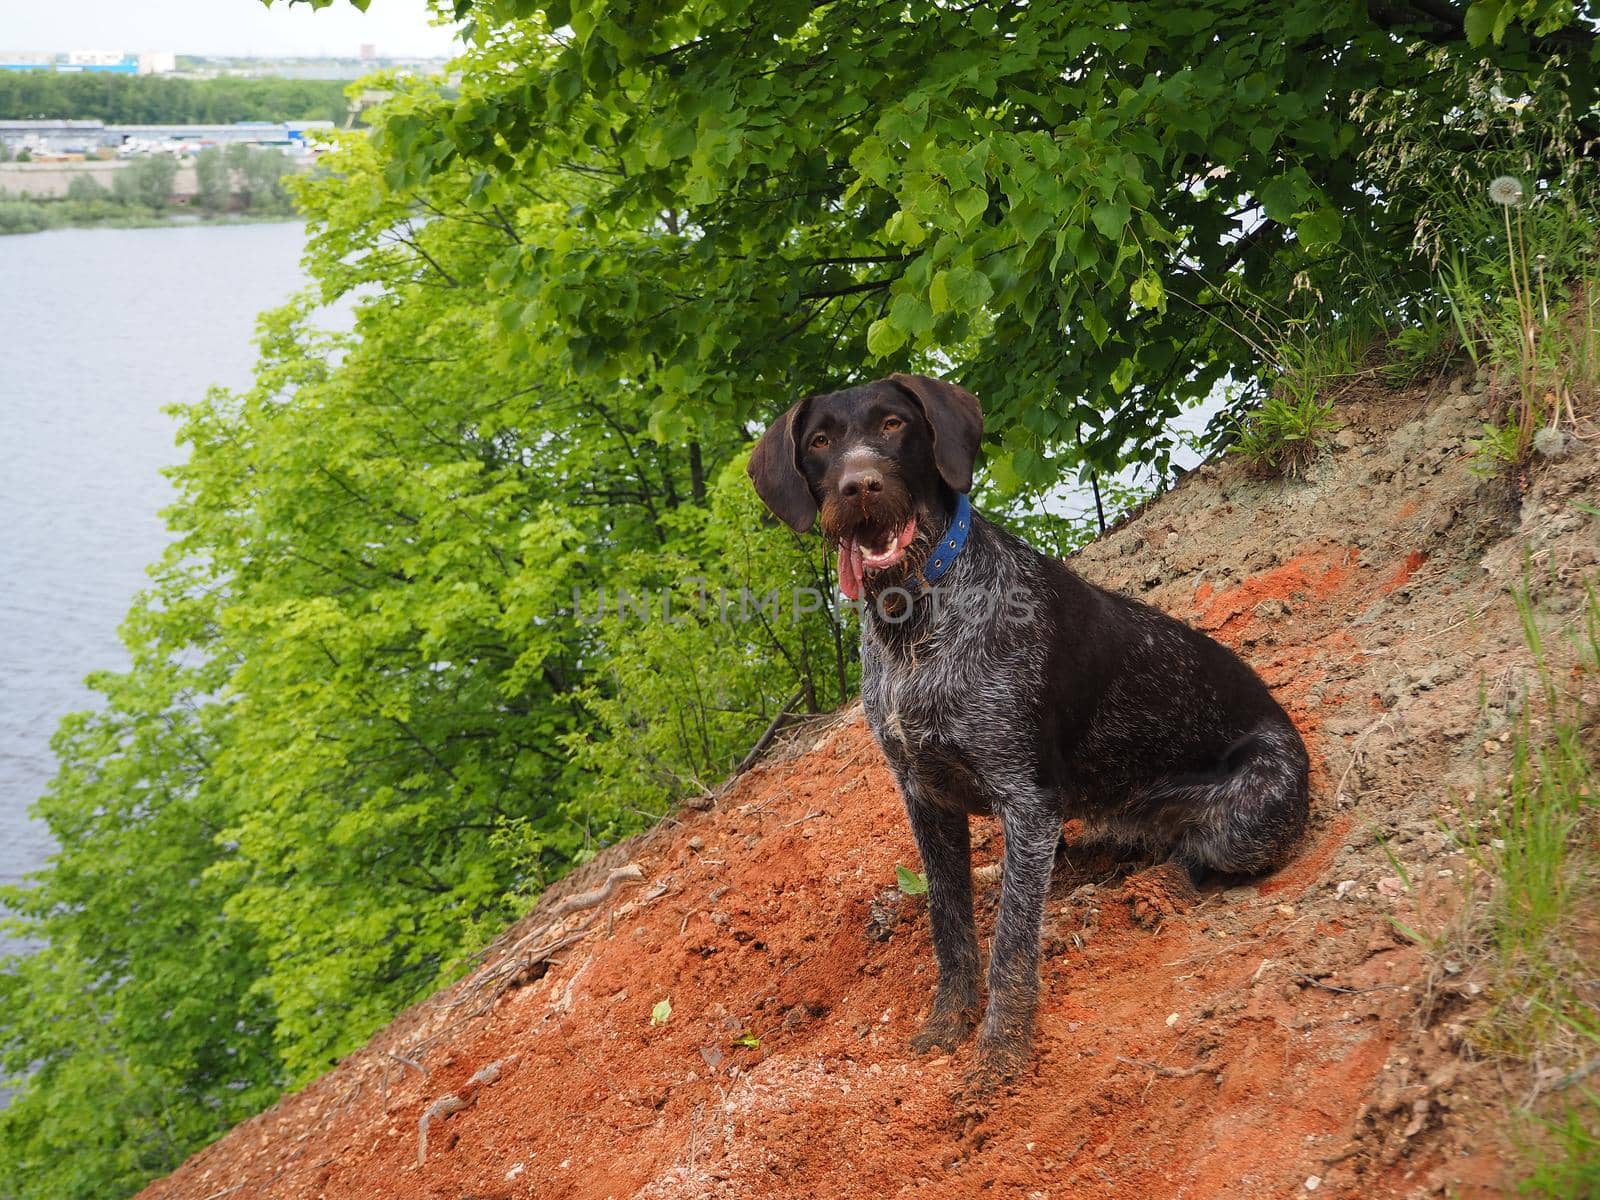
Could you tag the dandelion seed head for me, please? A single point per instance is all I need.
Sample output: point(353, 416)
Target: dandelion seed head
point(1506, 189)
point(1551, 442)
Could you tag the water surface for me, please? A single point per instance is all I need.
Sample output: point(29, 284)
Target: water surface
point(99, 330)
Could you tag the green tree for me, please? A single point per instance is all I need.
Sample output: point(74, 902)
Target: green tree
point(212, 182)
point(146, 181)
point(360, 692)
point(1095, 210)
point(86, 187)
point(157, 99)
point(263, 170)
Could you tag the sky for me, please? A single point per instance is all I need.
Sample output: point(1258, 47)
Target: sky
point(398, 28)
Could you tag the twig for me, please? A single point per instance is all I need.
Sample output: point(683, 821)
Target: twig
point(807, 817)
point(749, 760)
point(408, 1062)
point(1576, 1075)
point(1355, 753)
point(1312, 981)
point(1168, 1072)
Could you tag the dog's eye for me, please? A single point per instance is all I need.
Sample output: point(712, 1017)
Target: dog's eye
point(890, 424)
point(819, 442)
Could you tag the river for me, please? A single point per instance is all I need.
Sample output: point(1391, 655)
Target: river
point(101, 329)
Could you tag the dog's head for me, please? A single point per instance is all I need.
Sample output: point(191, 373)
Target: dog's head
point(882, 463)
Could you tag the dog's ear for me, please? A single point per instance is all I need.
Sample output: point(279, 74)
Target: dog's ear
point(775, 470)
point(956, 418)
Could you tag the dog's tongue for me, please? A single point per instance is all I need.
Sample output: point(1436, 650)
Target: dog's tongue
point(850, 568)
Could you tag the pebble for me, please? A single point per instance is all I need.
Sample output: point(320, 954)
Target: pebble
point(1313, 1182)
point(697, 843)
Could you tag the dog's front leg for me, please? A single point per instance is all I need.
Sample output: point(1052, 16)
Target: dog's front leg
point(944, 841)
point(1032, 829)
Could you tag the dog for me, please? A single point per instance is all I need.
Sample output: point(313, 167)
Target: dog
point(996, 681)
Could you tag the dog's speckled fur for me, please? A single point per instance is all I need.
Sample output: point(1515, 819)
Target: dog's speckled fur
point(1020, 690)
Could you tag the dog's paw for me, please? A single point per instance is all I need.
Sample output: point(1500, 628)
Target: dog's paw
point(1158, 893)
point(944, 1030)
point(996, 1062)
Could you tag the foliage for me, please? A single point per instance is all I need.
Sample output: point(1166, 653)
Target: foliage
point(86, 187)
point(148, 181)
point(1293, 425)
point(1509, 214)
point(1420, 351)
point(163, 100)
point(213, 185)
point(33, 216)
point(361, 692)
point(910, 883)
point(1535, 837)
point(252, 180)
point(1070, 202)
point(1285, 435)
point(255, 175)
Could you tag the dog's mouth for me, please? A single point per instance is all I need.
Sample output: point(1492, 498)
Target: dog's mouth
point(866, 551)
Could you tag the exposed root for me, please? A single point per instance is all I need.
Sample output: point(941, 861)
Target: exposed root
point(1169, 1072)
point(627, 873)
point(453, 1102)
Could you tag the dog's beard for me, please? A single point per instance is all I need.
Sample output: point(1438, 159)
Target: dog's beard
point(880, 542)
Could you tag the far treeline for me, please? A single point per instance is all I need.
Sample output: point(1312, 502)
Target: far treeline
point(157, 99)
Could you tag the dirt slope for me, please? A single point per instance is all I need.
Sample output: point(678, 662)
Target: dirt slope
point(1279, 1038)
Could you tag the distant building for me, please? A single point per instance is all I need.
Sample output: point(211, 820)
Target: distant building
point(97, 62)
point(113, 62)
point(48, 138)
point(22, 61)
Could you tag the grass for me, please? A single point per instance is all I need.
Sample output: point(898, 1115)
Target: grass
point(1537, 932)
point(1525, 303)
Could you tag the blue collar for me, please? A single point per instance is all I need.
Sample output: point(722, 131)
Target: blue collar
point(944, 554)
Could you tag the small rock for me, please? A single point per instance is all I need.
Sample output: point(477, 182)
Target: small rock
point(697, 843)
point(1313, 1182)
point(1286, 910)
point(1172, 1020)
point(1344, 889)
point(1391, 886)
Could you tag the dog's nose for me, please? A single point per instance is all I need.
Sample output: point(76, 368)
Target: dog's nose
point(860, 479)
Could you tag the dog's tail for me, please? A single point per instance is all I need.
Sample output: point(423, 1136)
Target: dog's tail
point(1244, 817)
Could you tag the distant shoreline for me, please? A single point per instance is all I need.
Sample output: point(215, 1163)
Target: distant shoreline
point(22, 216)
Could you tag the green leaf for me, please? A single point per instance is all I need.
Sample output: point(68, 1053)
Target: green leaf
point(964, 289)
point(1111, 219)
point(1320, 229)
point(661, 1012)
point(912, 883)
point(1147, 291)
point(883, 338)
point(971, 204)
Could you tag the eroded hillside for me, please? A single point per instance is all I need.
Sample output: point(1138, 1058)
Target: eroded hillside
point(1282, 1037)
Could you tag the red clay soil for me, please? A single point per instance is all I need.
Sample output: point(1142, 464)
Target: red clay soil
point(1272, 1042)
